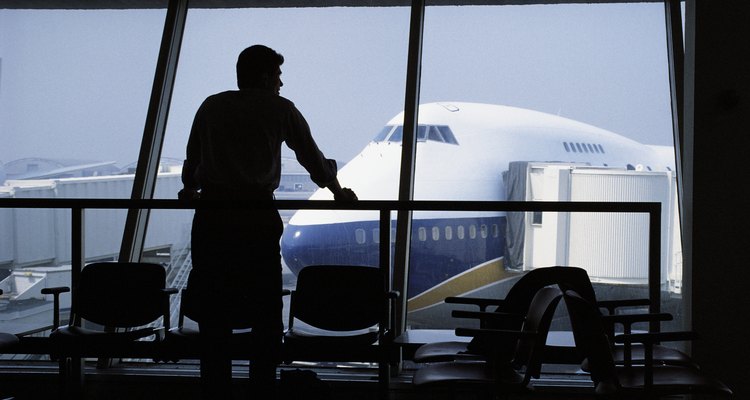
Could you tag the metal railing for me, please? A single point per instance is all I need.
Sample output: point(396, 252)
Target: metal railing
point(385, 208)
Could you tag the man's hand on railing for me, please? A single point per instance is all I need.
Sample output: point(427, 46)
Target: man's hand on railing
point(188, 194)
point(345, 194)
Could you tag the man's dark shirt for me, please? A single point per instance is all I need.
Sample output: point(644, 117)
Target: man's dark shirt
point(235, 143)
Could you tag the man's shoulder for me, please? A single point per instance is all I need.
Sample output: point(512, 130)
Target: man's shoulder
point(239, 95)
point(221, 96)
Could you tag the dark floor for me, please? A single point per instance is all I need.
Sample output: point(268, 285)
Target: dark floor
point(25, 382)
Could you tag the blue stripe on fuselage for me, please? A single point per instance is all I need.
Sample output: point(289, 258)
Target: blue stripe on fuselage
point(438, 252)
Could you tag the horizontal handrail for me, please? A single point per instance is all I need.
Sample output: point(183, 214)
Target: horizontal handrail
point(415, 205)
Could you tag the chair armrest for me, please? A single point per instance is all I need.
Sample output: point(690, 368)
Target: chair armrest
point(648, 340)
point(612, 305)
point(393, 294)
point(656, 337)
point(482, 303)
point(168, 292)
point(487, 315)
point(627, 320)
point(55, 292)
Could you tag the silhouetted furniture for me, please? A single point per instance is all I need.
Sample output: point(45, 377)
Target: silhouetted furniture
point(649, 380)
point(497, 375)
point(341, 313)
point(182, 340)
point(517, 301)
point(112, 304)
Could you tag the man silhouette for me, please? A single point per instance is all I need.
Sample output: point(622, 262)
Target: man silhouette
point(234, 152)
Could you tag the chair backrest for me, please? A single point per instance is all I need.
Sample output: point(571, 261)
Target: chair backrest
point(520, 294)
point(339, 297)
point(591, 338)
point(122, 295)
point(519, 297)
point(530, 351)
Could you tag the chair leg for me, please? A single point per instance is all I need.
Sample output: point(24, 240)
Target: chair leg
point(384, 380)
point(70, 377)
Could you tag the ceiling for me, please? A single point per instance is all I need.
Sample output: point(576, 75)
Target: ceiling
point(129, 4)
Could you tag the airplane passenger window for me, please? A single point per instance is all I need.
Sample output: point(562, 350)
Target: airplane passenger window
point(495, 231)
point(483, 231)
point(376, 235)
point(578, 146)
point(422, 232)
point(601, 148)
point(472, 231)
point(359, 234)
point(460, 232)
point(565, 144)
point(448, 233)
point(435, 233)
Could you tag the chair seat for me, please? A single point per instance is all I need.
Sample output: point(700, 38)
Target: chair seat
point(662, 354)
point(470, 373)
point(443, 351)
point(7, 341)
point(315, 338)
point(72, 335)
point(666, 379)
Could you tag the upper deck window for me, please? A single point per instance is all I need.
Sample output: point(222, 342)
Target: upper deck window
point(433, 133)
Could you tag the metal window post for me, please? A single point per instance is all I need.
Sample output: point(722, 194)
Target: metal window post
point(408, 152)
point(153, 133)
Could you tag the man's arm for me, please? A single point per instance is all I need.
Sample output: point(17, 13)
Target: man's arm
point(341, 193)
point(322, 171)
point(190, 182)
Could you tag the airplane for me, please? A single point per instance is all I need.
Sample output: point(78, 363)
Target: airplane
point(462, 150)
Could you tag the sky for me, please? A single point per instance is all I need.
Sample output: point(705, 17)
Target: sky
point(75, 84)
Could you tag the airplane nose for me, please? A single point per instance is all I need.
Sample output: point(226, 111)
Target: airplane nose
point(328, 244)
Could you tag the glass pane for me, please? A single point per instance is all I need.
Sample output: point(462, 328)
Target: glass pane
point(534, 95)
point(75, 90)
point(346, 77)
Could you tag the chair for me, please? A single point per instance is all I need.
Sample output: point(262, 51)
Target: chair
point(498, 375)
point(341, 313)
point(517, 301)
point(649, 380)
point(182, 340)
point(111, 305)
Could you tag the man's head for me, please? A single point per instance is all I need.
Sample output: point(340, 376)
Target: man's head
point(258, 66)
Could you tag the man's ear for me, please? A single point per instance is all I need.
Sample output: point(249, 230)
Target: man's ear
point(265, 80)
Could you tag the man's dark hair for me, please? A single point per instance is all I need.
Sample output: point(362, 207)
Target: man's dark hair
point(256, 63)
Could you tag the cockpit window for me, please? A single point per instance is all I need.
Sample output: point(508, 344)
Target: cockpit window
point(433, 133)
point(383, 134)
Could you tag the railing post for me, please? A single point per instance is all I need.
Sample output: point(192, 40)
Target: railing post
point(654, 262)
point(74, 373)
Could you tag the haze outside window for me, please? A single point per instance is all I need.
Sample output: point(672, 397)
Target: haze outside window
point(74, 92)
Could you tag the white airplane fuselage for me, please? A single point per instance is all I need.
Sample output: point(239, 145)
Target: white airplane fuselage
point(462, 151)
